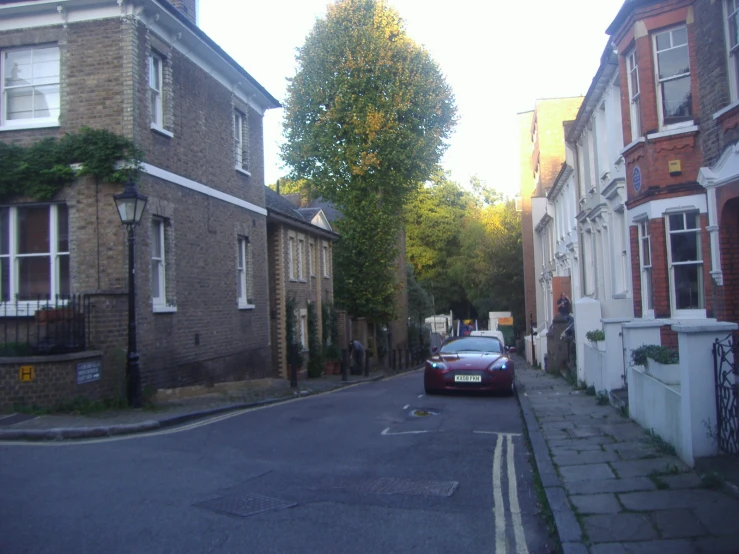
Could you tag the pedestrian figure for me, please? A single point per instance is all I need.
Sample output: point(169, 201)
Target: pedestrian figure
point(356, 353)
point(564, 307)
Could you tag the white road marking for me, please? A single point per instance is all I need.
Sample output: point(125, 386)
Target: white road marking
point(421, 396)
point(513, 501)
point(387, 432)
point(406, 406)
point(498, 507)
point(497, 433)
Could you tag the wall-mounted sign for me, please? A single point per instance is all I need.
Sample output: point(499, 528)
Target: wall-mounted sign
point(505, 321)
point(87, 372)
point(26, 373)
point(637, 178)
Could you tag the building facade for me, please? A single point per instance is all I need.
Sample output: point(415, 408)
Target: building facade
point(201, 248)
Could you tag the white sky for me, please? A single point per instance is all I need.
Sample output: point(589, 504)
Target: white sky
point(498, 56)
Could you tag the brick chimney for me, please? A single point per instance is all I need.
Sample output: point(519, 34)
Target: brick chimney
point(188, 7)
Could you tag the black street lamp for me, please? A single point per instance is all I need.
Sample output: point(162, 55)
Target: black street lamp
point(131, 204)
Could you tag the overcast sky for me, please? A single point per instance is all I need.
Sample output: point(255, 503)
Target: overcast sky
point(499, 57)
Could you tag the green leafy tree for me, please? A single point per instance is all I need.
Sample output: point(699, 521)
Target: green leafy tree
point(367, 116)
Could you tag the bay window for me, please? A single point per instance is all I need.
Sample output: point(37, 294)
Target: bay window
point(632, 77)
point(675, 99)
point(685, 261)
point(732, 35)
point(645, 268)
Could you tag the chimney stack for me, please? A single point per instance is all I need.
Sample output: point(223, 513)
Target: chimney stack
point(187, 7)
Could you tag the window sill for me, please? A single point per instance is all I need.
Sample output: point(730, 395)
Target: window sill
point(163, 309)
point(683, 130)
point(242, 171)
point(640, 140)
point(689, 314)
point(293, 280)
point(243, 306)
point(327, 276)
point(30, 125)
point(161, 130)
point(726, 110)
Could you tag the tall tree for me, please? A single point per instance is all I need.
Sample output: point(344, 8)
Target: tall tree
point(367, 116)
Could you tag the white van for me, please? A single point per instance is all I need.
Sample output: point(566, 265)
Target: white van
point(497, 334)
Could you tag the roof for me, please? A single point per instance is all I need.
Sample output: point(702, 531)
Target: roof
point(626, 9)
point(329, 210)
point(280, 208)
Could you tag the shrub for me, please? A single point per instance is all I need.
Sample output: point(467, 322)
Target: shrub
point(596, 335)
point(658, 353)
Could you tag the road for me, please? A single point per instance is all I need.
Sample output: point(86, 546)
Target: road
point(373, 468)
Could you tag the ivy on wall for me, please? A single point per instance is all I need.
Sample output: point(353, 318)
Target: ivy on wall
point(42, 169)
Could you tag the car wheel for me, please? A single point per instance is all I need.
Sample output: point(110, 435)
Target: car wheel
point(512, 390)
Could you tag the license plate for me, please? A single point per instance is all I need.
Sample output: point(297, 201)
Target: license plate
point(467, 378)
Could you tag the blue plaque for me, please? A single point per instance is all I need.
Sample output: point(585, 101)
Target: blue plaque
point(637, 178)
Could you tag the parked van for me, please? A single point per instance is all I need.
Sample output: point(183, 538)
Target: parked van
point(497, 334)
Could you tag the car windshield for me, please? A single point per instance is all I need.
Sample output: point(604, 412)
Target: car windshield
point(472, 344)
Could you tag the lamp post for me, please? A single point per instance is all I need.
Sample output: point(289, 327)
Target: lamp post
point(131, 204)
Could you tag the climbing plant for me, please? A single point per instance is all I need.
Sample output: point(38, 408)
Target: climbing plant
point(315, 363)
point(42, 169)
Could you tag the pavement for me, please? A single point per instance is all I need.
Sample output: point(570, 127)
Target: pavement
point(170, 408)
point(612, 487)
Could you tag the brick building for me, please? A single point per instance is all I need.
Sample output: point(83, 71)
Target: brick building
point(147, 72)
point(542, 156)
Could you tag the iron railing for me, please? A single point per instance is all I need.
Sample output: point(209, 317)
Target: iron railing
point(44, 326)
point(725, 373)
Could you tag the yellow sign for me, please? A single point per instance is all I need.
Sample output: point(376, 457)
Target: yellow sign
point(505, 321)
point(26, 373)
point(675, 167)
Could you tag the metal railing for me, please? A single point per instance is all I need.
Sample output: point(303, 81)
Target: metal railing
point(44, 326)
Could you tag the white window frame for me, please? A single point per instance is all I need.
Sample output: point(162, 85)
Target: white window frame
point(325, 252)
point(632, 77)
point(301, 259)
point(731, 11)
point(659, 82)
point(646, 270)
point(244, 269)
point(311, 258)
point(671, 265)
point(158, 236)
point(52, 120)
point(291, 258)
point(156, 95)
point(13, 257)
point(303, 325)
point(241, 138)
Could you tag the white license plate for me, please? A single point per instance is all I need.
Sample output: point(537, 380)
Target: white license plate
point(467, 378)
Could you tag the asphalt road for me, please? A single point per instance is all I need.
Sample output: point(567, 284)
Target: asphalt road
point(374, 468)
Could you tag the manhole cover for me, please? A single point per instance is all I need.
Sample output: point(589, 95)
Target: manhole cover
point(423, 412)
point(244, 505)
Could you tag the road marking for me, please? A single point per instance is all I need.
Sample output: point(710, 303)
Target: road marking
point(421, 396)
point(498, 508)
point(497, 433)
point(513, 500)
point(406, 406)
point(387, 432)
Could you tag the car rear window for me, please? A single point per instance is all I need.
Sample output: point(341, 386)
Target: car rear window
point(472, 344)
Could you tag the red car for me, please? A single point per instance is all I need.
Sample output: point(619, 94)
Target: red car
point(469, 363)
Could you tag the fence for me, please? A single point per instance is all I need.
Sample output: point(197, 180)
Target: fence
point(44, 326)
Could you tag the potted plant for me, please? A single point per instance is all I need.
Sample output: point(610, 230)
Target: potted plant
point(331, 360)
point(598, 338)
point(660, 362)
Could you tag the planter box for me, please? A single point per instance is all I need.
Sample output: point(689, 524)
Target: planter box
point(332, 367)
point(669, 374)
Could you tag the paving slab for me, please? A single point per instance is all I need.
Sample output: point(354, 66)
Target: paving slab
point(608, 548)
point(678, 524)
point(587, 472)
point(720, 518)
point(587, 457)
point(596, 503)
point(632, 484)
point(669, 499)
point(642, 468)
point(661, 547)
point(619, 528)
point(683, 481)
point(718, 545)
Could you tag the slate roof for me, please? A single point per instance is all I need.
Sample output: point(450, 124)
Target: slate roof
point(279, 205)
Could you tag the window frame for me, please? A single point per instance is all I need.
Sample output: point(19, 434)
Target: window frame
point(671, 265)
point(301, 259)
point(156, 96)
point(291, 273)
point(311, 260)
point(12, 301)
point(33, 122)
point(687, 121)
point(325, 251)
point(632, 76)
point(158, 234)
point(244, 273)
point(646, 270)
point(732, 51)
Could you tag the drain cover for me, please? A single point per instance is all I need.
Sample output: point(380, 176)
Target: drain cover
point(244, 505)
point(391, 485)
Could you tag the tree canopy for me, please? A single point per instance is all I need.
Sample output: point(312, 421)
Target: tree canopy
point(367, 116)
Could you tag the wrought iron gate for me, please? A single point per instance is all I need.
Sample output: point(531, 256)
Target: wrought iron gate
point(727, 390)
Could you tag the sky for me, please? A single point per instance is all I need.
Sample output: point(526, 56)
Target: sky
point(498, 57)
